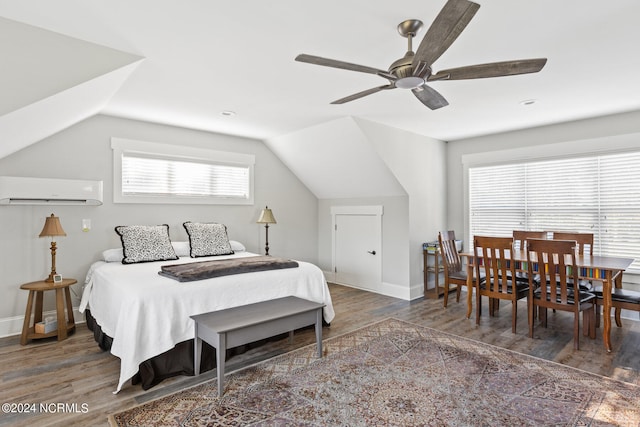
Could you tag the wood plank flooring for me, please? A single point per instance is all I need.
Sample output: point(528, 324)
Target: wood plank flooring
point(81, 377)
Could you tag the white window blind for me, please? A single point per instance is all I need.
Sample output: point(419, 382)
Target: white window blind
point(158, 173)
point(596, 194)
point(167, 177)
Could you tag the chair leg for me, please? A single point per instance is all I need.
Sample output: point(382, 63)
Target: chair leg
point(617, 317)
point(445, 300)
point(479, 306)
point(597, 316)
point(592, 326)
point(458, 289)
point(543, 316)
point(576, 330)
point(514, 315)
point(530, 312)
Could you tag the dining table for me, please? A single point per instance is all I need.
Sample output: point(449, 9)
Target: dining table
point(606, 269)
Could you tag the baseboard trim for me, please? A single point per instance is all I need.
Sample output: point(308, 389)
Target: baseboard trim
point(11, 326)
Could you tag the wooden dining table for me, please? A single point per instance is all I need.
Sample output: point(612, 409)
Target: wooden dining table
point(607, 269)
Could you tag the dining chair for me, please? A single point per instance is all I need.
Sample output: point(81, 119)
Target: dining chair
point(520, 238)
point(620, 299)
point(494, 260)
point(555, 262)
point(455, 272)
point(584, 244)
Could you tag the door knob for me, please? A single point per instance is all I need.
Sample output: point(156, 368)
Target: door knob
point(372, 252)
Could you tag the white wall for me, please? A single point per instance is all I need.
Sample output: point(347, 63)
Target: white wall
point(83, 152)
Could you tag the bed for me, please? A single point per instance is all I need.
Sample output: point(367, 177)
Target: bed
point(143, 316)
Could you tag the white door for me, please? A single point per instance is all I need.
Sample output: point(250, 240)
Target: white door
point(357, 250)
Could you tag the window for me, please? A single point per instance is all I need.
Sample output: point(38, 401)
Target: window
point(159, 173)
point(594, 194)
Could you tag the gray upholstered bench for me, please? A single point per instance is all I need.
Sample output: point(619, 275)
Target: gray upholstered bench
point(247, 323)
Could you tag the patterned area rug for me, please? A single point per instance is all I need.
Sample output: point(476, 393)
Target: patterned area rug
point(394, 373)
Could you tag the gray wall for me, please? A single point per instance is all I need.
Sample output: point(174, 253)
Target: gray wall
point(602, 134)
point(83, 152)
point(395, 237)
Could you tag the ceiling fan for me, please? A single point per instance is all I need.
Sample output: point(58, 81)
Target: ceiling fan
point(413, 71)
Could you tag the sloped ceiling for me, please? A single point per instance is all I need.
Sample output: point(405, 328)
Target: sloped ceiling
point(52, 81)
point(336, 160)
point(203, 57)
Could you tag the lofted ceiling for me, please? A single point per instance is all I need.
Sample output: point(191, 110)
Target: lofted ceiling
point(203, 57)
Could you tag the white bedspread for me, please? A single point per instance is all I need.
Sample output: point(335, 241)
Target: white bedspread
point(147, 314)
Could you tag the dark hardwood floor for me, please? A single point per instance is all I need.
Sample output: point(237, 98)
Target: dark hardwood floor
point(77, 373)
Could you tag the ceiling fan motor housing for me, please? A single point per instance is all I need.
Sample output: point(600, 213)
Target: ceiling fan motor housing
point(403, 70)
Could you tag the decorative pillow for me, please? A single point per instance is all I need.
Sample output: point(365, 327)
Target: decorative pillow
point(145, 243)
point(237, 246)
point(208, 239)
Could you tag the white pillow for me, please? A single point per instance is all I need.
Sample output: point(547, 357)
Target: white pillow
point(113, 255)
point(237, 246)
point(181, 248)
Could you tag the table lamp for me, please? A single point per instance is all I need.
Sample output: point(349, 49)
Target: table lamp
point(52, 228)
point(266, 218)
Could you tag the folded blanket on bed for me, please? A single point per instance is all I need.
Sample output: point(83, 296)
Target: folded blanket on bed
point(224, 267)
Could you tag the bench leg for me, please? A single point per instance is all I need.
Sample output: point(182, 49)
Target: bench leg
point(319, 331)
point(221, 352)
point(197, 351)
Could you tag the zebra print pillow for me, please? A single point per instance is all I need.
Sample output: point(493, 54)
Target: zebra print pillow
point(145, 243)
point(208, 239)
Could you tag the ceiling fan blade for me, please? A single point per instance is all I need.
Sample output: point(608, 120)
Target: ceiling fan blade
point(362, 94)
point(317, 60)
point(430, 97)
point(450, 22)
point(494, 69)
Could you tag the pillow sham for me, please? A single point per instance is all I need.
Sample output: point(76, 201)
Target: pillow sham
point(181, 248)
point(145, 243)
point(208, 239)
point(237, 246)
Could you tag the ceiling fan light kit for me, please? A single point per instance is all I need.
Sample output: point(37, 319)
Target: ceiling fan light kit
point(414, 69)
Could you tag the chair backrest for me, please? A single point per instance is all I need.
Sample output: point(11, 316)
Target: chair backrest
point(448, 235)
point(493, 260)
point(556, 264)
point(582, 239)
point(520, 237)
point(450, 256)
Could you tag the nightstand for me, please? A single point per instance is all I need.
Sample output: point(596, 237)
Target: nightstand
point(66, 324)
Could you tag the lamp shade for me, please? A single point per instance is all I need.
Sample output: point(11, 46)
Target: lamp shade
point(52, 227)
point(266, 216)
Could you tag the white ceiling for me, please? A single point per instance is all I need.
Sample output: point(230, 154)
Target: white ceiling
point(203, 57)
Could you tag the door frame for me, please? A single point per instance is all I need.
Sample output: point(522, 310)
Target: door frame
point(377, 211)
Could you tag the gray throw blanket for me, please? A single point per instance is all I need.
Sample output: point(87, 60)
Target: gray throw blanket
point(224, 267)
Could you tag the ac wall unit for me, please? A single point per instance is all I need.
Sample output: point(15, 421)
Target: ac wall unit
point(49, 191)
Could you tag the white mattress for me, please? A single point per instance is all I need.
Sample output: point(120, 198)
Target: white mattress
point(147, 314)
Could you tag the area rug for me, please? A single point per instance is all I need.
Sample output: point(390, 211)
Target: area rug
point(394, 373)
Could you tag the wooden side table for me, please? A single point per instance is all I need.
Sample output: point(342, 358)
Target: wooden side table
point(66, 324)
